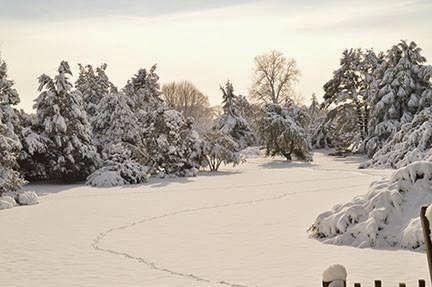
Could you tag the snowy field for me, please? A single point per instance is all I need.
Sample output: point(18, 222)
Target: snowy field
point(243, 226)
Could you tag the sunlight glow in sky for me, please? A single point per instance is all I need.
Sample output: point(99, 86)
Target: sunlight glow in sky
point(200, 41)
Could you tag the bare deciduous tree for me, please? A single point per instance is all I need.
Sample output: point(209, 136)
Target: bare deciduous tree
point(275, 76)
point(187, 99)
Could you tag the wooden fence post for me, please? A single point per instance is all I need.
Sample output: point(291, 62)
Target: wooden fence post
point(427, 239)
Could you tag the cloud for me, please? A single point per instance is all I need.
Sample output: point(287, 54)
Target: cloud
point(61, 9)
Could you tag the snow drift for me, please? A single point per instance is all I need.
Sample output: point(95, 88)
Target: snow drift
point(386, 217)
point(27, 198)
point(7, 202)
point(12, 199)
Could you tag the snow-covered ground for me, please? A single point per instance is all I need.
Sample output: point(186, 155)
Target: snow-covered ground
point(244, 225)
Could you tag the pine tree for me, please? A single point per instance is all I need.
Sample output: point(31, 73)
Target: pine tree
point(282, 128)
point(348, 90)
point(10, 179)
point(231, 121)
point(164, 131)
point(93, 86)
point(118, 136)
point(144, 90)
point(400, 83)
point(172, 146)
point(413, 142)
point(116, 123)
point(61, 113)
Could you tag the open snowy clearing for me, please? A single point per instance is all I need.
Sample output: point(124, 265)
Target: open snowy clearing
point(244, 226)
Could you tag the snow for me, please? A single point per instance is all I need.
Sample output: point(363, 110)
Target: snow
point(252, 152)
point(7, 202)
point(27, 198)
point(386, 217)
point(244, 225)
point(335, 272)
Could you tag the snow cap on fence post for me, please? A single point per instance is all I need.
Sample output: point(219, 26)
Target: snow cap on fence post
point(334, 276)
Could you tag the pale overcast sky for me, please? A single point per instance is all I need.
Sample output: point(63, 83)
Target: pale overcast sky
point(206, 42)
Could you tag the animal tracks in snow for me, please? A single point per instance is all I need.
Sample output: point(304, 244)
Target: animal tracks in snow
point(96, 244)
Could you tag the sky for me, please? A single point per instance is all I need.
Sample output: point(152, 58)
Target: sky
point(205, 42)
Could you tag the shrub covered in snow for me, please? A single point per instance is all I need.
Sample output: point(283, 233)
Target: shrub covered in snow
point(27, 198)
point(7, 202)
point(386, 217)
point(118, 169)
point(219, 148)
point(282, 130)
point(116, 174)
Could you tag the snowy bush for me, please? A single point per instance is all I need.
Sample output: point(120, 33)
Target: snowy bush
point(220, 148)
point(412, 143)
point(116, 174)
point(118, 169)
point(386, 217)
point(282, 130)
point(7, 202)
point(27, 198)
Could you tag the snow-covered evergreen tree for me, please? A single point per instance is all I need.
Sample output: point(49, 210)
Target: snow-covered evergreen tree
point(347, 92)
point(93, 86)
point(118, 137)
point(231, 121)
point(10, 178)
point(400, 82)
point(316, 129)
point(412, 143)
point(164, 131)
point(116, 123)
point(171, 144)
point(63, 119)
point(144, 90)
point(282, 128)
